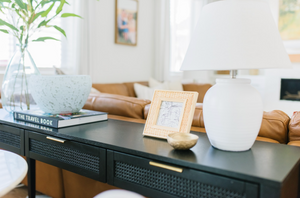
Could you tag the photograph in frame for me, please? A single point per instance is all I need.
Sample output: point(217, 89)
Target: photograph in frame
point(126, 22)
point(170, 113)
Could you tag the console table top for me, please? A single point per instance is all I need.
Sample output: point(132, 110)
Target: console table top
point(264, 162)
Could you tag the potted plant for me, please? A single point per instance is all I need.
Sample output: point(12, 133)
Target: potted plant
point(23, 18)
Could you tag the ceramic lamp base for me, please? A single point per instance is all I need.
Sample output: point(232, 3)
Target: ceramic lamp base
point(232, 111)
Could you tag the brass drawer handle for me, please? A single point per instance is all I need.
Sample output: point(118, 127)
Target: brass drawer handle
point(56, 139)
point(172, 168)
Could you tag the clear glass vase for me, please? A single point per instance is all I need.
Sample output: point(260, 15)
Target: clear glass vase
point(15, 93)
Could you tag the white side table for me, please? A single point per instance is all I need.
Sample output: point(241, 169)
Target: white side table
point(13, 169)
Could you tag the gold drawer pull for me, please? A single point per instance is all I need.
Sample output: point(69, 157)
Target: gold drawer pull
point(56, 139)
point(172, 168)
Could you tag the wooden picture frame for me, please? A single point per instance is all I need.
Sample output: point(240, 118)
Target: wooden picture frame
point(170, 112)
point(126, 22)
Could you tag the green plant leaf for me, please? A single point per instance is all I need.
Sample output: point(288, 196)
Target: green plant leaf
point(45, 13)
point(8, 25)
point(43, 23)
point(4, 31)
point(29, 5)
point(21, 4)
point(37, 15)
point(46, 2)
point(60, 7)
point(64, 15)
point(42, 39)
point(5, 1)
point(61, 30)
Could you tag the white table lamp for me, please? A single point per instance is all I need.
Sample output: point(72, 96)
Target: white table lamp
point(233, 35)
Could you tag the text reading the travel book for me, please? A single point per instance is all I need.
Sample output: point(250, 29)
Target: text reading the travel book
point(35, 119)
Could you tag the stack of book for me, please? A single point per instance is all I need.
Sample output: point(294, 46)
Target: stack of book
point(60, 120)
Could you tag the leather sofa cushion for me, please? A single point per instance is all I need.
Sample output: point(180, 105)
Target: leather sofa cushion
point(124, 89)
point(264, 139)
point(117, 105)
point(275, 126)
point(294, 143)
point(130, 87)
point(198, 116)
point(200, 88)
point(127, 89)
point(116, 88)
point(294, 127)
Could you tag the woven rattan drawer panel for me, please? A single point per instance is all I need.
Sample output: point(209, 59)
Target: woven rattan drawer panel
point(12, 139)
point(70, 155)
point(190, 183)
point(64, 154)
point(170, 184)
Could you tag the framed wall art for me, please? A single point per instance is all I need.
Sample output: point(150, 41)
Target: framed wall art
point(289, 27)
point(170, 111)
point(126, 18)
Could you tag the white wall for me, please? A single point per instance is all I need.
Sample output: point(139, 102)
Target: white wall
point(272, 90)
point(120, 63)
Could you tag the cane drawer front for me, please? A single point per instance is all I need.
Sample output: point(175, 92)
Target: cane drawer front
point(12, 139)
point(89, 161)
point(156, 179)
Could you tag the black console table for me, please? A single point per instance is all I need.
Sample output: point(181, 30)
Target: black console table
point(117, 153)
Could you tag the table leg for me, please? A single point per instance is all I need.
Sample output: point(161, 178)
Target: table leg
point(31, 177)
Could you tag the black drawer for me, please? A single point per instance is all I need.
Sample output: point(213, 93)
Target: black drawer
point(79, 158)
point(155, 179)
point(12, 139)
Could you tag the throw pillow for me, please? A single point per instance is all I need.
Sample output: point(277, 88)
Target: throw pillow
point(144, 92)
point(171, 85)
point(95, 91)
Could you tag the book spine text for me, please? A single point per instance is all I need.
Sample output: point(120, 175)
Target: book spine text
point(36, 120)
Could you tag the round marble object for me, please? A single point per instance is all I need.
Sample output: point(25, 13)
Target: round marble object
point(60, 94)
point(182, 141)
point(13, 169)
point(118, 193)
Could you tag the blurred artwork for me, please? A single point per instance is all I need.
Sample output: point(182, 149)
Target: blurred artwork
point(289, 19)
point(126, 22)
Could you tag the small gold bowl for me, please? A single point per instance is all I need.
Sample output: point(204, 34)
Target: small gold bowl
point(182, 141)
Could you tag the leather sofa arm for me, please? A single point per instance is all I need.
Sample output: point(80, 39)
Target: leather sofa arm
point(275, 126)
point(294, 127)
point(294, 143)
point(200, 88)
point(117, 105)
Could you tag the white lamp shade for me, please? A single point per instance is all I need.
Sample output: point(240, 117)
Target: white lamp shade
point(236, 34)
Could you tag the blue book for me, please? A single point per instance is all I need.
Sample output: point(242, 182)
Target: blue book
point(60, 120)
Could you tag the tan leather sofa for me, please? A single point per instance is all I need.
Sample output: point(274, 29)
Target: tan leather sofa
point(120, 102)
